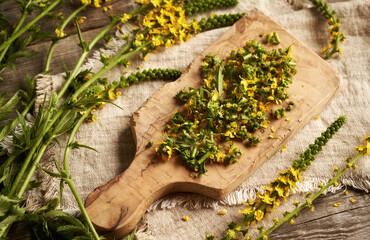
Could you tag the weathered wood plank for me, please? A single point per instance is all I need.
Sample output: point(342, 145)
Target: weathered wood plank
point(348, 221)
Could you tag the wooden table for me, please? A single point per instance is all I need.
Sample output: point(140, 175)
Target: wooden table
point(349, 221)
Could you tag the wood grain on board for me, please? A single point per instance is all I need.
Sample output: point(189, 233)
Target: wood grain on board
point(117, 206)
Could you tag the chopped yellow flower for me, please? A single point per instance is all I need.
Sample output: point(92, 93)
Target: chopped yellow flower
point(288, 119)
point(353, 200)
point(291, 221)
point(346, 192)
point(185, 218)
point(337, 204)
point(317, 117)
point(283, 148)
point(105, 9)
point(272, 129)
point(222, 212)
point(274, 136)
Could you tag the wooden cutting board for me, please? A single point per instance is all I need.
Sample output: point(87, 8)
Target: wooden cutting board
point(116, 207)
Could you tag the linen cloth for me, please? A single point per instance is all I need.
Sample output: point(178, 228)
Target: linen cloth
point(111, 134)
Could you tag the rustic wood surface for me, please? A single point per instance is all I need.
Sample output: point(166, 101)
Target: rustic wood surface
point(349, 221)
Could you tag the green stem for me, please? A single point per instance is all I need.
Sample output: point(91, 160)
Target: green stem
point(33, 168)
point(69, 181)
point(91, 45)
point(306, 204)
point(33, 149)
point(82, 208)
point(250, 216)
point(19, 24)
point(15, 35)
point(119, 57)
point(56, 40)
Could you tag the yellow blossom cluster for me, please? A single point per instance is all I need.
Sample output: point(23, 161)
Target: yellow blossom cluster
point(364, 149)
point(335, 36)
point(59, 33)
point(95, 3)
point(165, 23)
point(278, 189)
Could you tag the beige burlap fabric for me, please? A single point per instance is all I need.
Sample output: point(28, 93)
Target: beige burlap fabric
point(111, 134)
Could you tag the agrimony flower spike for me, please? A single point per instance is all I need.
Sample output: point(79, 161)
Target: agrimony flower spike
point(362, 150)
point(336, 37)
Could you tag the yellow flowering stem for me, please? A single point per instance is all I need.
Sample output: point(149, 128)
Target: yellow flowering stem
point(89, 47)
point(18, 26)
point(119, 57)
point(5, 45)
point(309, 200)
point(56, 39)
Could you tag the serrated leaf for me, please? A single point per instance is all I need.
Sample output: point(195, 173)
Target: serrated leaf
point(131, 236)
point(55, 214)
point(33, 184)
point(77, 145)
point(74, 221)
point(66, 123)
point(50, 206)
point(70, 228)
point(6, 204)
point(5, 223)
point(26, 130)
point(5, 131)
point(7, 108)
point(51, 173)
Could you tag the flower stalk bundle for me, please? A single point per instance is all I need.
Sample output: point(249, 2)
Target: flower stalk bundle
point(281, 187)
point(164, 23)
point(350, 164)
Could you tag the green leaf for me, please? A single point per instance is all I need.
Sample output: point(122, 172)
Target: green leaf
point(5, 131)
point(66, 123)
point(131, 236)
point(77, 145)
point(6, 223)
point(6, 204)
point(49, 207)
point(33, 184)
point(70, 229)
point(7, 108)
point(51, 173)
point(26, 130)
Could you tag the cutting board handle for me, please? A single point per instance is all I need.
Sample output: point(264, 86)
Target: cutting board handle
point(116, 207)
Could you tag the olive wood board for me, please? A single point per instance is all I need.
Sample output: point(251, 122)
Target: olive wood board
point(116, 207)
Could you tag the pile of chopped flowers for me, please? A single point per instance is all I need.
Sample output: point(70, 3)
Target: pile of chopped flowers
point(231, 105)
